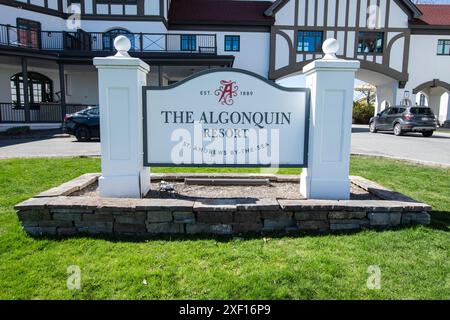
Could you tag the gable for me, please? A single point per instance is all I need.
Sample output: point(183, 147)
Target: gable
point(406, 5)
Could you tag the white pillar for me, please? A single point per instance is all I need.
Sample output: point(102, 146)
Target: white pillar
point(434, 102)
point(385, 92)
point(331, 81)
point(444, 113)
point(120, 82)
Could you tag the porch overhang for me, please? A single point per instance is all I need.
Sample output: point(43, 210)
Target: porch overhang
point(158, 58)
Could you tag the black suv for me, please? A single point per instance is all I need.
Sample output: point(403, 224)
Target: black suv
point(84, 124)
point(403, 119)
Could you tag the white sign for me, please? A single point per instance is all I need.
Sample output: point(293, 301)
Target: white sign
point(225, 117)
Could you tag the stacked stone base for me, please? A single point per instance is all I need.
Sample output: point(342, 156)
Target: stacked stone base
point(56, 214)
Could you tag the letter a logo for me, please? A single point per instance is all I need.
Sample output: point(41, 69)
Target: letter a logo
point(226, 92)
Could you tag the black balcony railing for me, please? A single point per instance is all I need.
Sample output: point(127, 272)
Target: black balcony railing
point(103, 41)
point(45, 112)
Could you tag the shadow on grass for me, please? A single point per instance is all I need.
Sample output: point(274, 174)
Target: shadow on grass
point(440, 220)
point(443, 225)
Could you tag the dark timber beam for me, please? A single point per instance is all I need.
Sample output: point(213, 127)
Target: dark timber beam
point(26, 97)
point(160, 81)
point(62, 89)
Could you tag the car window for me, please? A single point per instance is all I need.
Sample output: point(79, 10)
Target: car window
point(386, 111)
point(425, 111)
point(93, 112)
point(401, 110)
point(393, 111)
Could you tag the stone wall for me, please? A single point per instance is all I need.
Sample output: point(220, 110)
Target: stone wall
point(55, 213)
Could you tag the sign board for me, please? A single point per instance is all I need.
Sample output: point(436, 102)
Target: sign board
point(226, 118)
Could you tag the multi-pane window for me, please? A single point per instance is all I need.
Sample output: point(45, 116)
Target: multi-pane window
point(40, 88)
point(117, 7)
point(188, 42)
point(51, 4)
point(443, 48)
point(309, 41)
point(28, 33)
point(232, 43)
point(370, 42)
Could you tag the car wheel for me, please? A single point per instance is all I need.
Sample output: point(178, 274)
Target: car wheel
point(373, 127)
point(398, 129)
point(427, 133)
point(83, 134)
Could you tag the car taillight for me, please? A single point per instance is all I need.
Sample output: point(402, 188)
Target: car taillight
point(408, 116)
point(67, 117)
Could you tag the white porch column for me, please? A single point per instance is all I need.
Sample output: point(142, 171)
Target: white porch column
point(434, 102)
point(331, 81)
point(385, 92)
point(444, 112)
point(120, 81)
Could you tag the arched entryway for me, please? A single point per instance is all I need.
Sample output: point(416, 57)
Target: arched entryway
point(436, 95)
point(40, 88)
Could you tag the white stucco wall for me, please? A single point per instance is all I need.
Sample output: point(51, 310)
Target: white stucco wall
point(254, 49)
point(9, 15)
point(132, 26)
point(254, 52)
point(424, 63)
point(397, 17)
point(82, 87)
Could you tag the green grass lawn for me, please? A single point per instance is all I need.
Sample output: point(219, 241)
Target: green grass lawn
point(414, 262)
point(444, 130)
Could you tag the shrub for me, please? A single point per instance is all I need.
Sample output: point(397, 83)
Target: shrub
point(17, 130)
point(362, 112)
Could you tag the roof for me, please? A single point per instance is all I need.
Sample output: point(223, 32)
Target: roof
point(433, 14)
point(220, 12)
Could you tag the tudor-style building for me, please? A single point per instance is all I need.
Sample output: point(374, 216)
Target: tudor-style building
point(404, 49)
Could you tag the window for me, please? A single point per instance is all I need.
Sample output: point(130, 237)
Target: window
point(422, 100)
point(443, 48)
point(385, 112)
point(188, 42)
point(370, 42)
point(423, 110)
point(94, 112)
point(28, 33)
point(232, 43)
point(109, 36)
point(309, 41)
point(40, 88)
point(117, 7)
point(393, 110)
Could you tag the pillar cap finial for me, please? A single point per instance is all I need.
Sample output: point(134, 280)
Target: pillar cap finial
point(330, 47)
point(122, 45)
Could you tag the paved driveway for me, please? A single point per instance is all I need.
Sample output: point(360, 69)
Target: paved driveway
point(434, 150)
point(51, 147)
point(412, 146)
